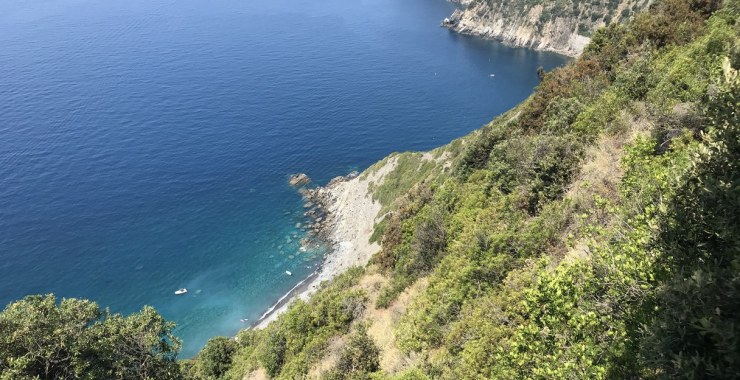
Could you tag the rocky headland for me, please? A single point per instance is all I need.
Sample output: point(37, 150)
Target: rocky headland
point(563, 27)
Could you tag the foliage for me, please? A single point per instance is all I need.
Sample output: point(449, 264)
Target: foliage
point(360, 357)
point(214, 360)
point(695, 333)
point(287, 347)
point(75, 339)
point(531, 286)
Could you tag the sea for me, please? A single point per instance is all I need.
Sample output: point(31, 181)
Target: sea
point(145, 145)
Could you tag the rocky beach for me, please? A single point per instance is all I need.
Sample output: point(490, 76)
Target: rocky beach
point(341, 215)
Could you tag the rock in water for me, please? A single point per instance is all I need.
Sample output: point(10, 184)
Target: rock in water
point(299, 179)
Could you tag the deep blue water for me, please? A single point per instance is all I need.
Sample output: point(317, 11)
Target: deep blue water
point(146, 143)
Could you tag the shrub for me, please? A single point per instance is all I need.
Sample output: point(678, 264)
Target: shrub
point(216, 357)
point(696, 332)
point(361, 354)
point(272, 353)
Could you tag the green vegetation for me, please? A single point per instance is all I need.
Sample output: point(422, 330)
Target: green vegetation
point(591, 232)
point(214, 360)
point(288, 347)
point(537, 282)
point(410, 169)
point(75, 339)
point(359, 359)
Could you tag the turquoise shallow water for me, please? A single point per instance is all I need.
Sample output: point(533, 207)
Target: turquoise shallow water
point(146, 144)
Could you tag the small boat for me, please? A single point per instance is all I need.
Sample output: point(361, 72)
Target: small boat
point(492, 75)
point(181, 291)
point(288, 273)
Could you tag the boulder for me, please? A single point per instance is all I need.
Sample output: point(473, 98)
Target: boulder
point(299, 179)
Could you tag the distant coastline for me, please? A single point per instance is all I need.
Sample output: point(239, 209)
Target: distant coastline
point(538, 25)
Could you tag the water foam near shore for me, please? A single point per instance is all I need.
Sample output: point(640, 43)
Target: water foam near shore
point(351, 213)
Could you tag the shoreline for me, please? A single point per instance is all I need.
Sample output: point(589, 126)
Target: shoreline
point(281, 305)
point(348, 213)
point(465, 21)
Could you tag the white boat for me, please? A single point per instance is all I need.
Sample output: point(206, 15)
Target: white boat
point(181, 291)
point(288, 273)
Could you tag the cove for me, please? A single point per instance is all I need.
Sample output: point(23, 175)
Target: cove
point(146, 145)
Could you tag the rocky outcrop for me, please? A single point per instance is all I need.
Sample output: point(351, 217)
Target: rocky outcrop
point(340, 215)
point(299, 179)
point(562, 26)
point(319, 202)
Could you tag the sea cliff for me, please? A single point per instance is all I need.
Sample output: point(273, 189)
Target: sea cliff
point(560, 26)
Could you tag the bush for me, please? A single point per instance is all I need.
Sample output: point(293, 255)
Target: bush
point(361, 354)
point(216, 357)
point(359, 359)
point(561, 113)
point(272, 353)
point(696, 332)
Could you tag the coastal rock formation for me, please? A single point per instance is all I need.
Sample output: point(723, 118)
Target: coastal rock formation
point(342, 215)
point(559, 26)
point(351, 217)
point(299, 179)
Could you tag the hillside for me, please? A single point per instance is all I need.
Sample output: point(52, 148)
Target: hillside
point(591, 232)
point(588, 233)
point(562, 26)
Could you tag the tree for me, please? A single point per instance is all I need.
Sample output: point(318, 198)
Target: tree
point(272, 354)
point(75, 339)
point(541, 73)
point(216, 357)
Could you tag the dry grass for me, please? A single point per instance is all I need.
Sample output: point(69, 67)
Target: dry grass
point(601, 172)
point(381, 324)
point(258, 374)
point(330, 359)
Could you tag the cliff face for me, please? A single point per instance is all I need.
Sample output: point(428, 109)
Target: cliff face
point(562, 26)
